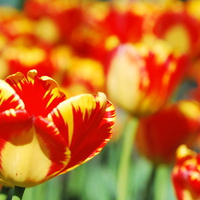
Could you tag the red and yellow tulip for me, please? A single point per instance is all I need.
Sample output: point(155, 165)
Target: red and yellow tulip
point(44, 134)
point(15, 25)
point(84, 76)
point(65, 16)
point(186, 174)
point(124, 21)
point(53, 62)
point(178, 27)
point(140, 79)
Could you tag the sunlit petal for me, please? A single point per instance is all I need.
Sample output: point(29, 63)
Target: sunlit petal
point(59, 153)
point(33, 154)
point(85, 121)
point(8, 98)
point(40, 94)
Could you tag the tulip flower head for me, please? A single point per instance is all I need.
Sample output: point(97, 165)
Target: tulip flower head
point(179, 28)
point(84, 76)
point(44, 134)
point(186, 174)
point(14, 24)
point(159, 135)
point(141, 80)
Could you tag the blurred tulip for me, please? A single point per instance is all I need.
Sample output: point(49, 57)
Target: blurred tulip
point(105, 25)
point(141, 79)
point(52, 62)
point(19, 29)
point(43, 134)
point(23, 58)
point(98, 30)
point(46, 32)
point(123, 21)
point(186, 174)
point(84, 76)
point(159, 135)
point(15, 25)
point(67, 23)
point(176, 26)
point(65, 15)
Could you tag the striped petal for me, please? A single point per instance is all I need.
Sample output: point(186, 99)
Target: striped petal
point(39, 94)
point(8, 98)
point(58, 151)
point(31, 150)
point(85, 121)
point(186, 174)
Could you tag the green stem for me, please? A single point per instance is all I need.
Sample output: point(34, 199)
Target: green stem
point(149, 189)
point(18, 193)
point(127, 147)
point(163, 186)
point(4, 193)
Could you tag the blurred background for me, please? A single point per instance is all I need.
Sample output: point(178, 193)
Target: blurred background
point(145, 56)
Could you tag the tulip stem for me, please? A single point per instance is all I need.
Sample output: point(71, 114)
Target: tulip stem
point(149, 190)
point(4, 193)
point(124, 162)
point(18, 193)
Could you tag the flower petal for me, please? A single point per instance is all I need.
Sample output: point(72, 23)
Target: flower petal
point(85, 121)
point(59, 154)
point(186, 174)
point(8, 98)
point(40, 94)
point(30, 150)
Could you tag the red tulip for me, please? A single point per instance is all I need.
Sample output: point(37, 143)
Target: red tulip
point(159, 135)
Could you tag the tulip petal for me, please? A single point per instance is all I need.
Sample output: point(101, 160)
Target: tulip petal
point(40, 94)
point(186, 174)
point(12, 125)
point(25, 164)
point(8, 98)
point(85, 121)
point(59, 153)
point(31, 152)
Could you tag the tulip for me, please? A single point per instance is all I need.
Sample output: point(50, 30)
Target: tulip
point(179, 28)
point(52, 62)
point(23, 58)
point(159, 135)
point(186, 174)
point(109, 24)
point(15, 25)
point(44, 134)
point(124, 20)
point(65, 16)
point(141, 80)
point(84, 76)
